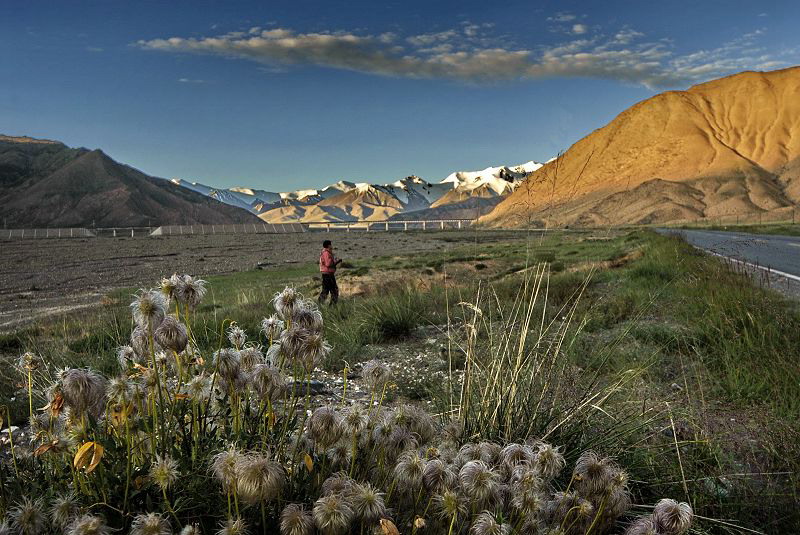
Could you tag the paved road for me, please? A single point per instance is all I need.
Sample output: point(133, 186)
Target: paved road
point(780, 253)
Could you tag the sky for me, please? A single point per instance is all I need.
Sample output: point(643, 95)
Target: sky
point(282, 95)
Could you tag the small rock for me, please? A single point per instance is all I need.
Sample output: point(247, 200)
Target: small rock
point(676, 386)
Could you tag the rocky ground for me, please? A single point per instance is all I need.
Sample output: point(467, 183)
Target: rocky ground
point(43, 277)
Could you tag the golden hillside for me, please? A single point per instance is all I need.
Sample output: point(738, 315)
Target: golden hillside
point(729, 146)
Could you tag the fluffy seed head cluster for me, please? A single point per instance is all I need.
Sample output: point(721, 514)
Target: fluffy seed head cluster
point(126, 356)
point(306, 315)
point(672, 518)
point(28, 517)
point(272, 327)
point(63, 509)
point(88, 525)
point(332, 515)
point(236, 336)
point(368, 504)
point(325, 426)
point(487, 524)
point(376, 374)
point(227, 363)
point(296, 520)
point(149, 308)
point(171, 334)
point(285, 301)
point(250, 357)
point(549, 460)
point(409, 470)
point(480, 483)
point(189, 291)
point(224, 466)
point(84, 391)
point(233, 527)
point(267, 382)
point(191, 529)
point(29, 362)
point(164, 472)
point(259, 479)
point(150, 524)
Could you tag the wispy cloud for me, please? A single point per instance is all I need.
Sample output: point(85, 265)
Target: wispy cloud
point(94, 49)
point(191, 81)
point(469, 53)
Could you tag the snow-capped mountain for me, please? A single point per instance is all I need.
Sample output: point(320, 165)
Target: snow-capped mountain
point(348, 201)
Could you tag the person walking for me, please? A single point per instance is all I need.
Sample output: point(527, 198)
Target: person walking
point(327, 266)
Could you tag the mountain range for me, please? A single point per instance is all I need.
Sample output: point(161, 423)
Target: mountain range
point(412, 197)
point(47, 184)
point(726, 147)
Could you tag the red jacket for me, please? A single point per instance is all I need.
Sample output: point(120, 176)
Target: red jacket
point(327, 263)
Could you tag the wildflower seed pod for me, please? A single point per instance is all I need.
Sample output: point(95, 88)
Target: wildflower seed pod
point(332, 514)
point(671, 517)
point(149, 309)
point(88, 525)
point(189, 291)
point(296, 520)
point(172, 334)
point(285, 301)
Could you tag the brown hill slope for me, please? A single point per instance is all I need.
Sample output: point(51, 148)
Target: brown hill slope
point(729, 146)
point(47, 184)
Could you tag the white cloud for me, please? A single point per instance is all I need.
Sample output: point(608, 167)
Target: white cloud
point(191, 81)
point(579, 29)
point(465, 55)
point(562, 17)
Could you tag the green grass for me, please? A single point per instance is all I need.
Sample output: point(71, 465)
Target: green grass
point(700, 337)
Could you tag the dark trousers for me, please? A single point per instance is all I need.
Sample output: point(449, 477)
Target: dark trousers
point(329, 287)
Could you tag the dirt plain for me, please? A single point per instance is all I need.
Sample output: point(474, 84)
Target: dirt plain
point(39, 278)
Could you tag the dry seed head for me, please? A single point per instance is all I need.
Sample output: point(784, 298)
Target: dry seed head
point(126, 356)
point(376, 374)
point(189, 291)
point(355, 419)
point(250, 357)
point(227, 364)
point(88, 525)
point(149, 308)
point(29, 362)
point(150, 524)
point(267, 382)
point(83, 391)
point(549, 461)
point(489, 452)
point(259, 479)
point(515, 454)
point(340, 454)
point(314, 351)
point(306, 315)
point(5, 527)
point(285, 301)
point(28, 517)
point(119, 390)
point(593, 474)
point(437, 476)
point(140, 343)
point(292, 342)
point(339, 483)
point(480, 483)
point(192, 529)
point(409, 470)
point(236, 336)
point(233, 527)
point(170, 285)
point(224, 466)
point(449, 504)
point(325, 426)
point(642, 526)
point(272, 327)
point(171, 334)
point(198, 388)
point(368, 504)
point(296, 520)
point(164, 472)
point(63, 509)
point(671, 517)
point(332, 514)
point(486, 524)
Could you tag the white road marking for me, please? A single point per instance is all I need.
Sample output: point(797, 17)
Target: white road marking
point(742, 262)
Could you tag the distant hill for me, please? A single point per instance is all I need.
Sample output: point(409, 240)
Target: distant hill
point(729, 146)
point(47, 184)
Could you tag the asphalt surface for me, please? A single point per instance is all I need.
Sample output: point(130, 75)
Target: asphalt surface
point(780, 253)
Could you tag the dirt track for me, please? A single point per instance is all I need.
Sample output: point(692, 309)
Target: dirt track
point(47, 276)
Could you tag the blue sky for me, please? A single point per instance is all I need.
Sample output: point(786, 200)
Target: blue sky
point(281, 95)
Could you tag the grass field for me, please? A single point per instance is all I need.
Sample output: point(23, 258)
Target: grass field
point(645, 350)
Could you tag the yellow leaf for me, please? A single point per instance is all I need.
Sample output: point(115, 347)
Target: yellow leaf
point(309, 462)
point(82, 455)
point(96, 457)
